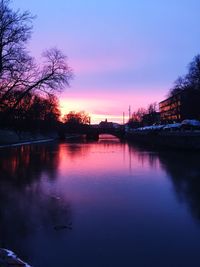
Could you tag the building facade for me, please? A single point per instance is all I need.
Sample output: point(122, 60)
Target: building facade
point(184, 105)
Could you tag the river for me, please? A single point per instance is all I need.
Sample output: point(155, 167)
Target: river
point(100, 204)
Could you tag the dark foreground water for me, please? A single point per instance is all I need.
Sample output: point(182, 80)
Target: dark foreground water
point(99, 205)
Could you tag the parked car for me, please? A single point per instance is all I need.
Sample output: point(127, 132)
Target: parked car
point(190, 124)
point(172, 127)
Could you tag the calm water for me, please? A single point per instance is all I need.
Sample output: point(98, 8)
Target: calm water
point(99, 205)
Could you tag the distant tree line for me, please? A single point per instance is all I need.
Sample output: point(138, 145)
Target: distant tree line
point(34, 113)
point(144, 116)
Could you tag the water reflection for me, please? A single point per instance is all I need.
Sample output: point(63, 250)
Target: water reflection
point(28, 206)
point(127, 206)
point(27, 163)
point(182, 168)
point(184, 171)
point(144, 157)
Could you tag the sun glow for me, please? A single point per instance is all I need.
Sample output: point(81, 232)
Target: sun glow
point(89, 107)
point(110, 106)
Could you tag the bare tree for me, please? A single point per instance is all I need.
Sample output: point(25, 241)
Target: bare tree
point(15, 31)
point(52, 76)
point(137, 117)
point(18, 70)
point(193, 76)
point(76, 118)
point(190, 81)
point(179, 85)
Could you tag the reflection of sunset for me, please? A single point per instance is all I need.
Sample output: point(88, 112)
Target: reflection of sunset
point(105, 190)
point(101, 158)
point(16, 162)
point(88, 170)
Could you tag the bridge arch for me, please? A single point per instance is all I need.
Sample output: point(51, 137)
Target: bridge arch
point(94, 133)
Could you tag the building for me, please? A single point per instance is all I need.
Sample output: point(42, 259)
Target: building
point(184, 105)
point(105, 124)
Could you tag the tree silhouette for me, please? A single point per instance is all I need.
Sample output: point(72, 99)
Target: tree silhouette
point(76, 122)
point(193, 76)
point(18, 70)
point(76, 118)
point(191, 81)
point(179, 85)
point(136, 119)
point(34, 113)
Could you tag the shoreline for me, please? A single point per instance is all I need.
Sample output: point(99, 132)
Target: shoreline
point(188, 141)
point(36, 140)
point(27, 143)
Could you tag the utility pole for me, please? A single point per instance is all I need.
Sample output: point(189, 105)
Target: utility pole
point(123, 118)
point(129, 112)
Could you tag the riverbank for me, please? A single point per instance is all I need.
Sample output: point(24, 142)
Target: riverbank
point(186, 140)
point(11, 138)
point(27, 143)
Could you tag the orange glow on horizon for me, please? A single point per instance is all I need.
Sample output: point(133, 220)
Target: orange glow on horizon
point(110, 106)
point(67, 106)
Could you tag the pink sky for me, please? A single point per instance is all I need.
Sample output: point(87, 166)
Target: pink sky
point(122, 52)
point(108, 105)
point(106, 84)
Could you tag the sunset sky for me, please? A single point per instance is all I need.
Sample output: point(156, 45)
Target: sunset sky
point(123, 52)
